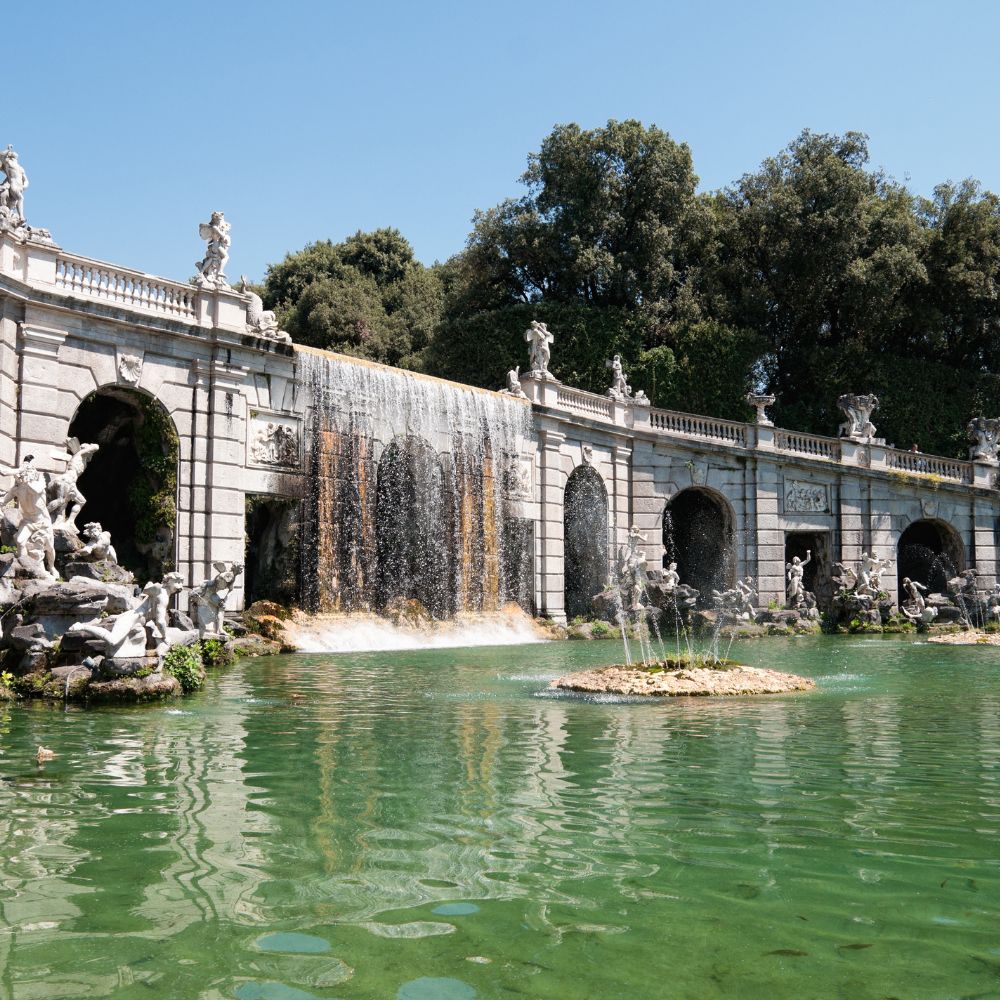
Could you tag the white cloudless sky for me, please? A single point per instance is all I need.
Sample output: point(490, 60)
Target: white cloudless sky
point(311, 120)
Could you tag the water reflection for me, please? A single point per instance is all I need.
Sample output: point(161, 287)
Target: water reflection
point(424, 817)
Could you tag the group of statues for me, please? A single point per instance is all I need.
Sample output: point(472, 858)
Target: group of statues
point(539, 339)
point(45, 503)
point(38, 507)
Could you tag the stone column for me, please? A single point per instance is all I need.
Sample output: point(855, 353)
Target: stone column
point(44, 408)
point(984, 515)
point(621, 502)
point(853, 534)
point(8, 382)
point(881, 536)
point(550, 597)
point(218, 460)
point(647, 505)
point(770, 540)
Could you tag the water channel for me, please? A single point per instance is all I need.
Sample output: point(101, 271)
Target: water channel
point(432, 825)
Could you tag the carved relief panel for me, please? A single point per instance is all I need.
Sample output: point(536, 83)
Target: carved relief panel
point(273, 440)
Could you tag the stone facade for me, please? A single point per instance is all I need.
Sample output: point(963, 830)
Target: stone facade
point(70, 326)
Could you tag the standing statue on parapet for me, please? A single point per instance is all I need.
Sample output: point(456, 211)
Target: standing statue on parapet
point(539, 340)
point(12, 190)
point(33, 538)
point(985, 432)
point(620, 389)
point(514, 383)
point(212, 269)
point(858, 410)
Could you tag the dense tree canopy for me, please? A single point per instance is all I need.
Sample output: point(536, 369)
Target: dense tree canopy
point(366, 296)
point(812, 276)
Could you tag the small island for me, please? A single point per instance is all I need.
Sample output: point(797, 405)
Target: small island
point(673, 678)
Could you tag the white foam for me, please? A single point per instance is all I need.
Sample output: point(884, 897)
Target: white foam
point(363, 633)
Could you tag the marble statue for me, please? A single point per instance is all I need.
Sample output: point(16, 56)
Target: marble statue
point(513, 387)
point(540, 342)
point(748, 594)
point(916, 609)
point(869, 577)
point(33, 538)
point(98, 545)
point(65, 500)
point(795, 592)
point(985, 432)
point(858, 410)
point(261, 322)
point(209, 599)
point(212, 268)
point(916, 590)
point(12, 190)
point(739, 600)
point(157, 598)
point(761, 403)
point(620, 389)
point(128, 637)
point(671, 578)
point(632, 571)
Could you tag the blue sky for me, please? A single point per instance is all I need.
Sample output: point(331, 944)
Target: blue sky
point(304, 121)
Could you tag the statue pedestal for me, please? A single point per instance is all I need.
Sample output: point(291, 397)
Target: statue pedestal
point(984, 475)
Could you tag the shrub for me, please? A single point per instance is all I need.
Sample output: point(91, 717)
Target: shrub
point(184, 663)
point(601, 630)
point(216, 653)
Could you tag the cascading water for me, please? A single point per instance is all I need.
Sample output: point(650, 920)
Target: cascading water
point(408, 511)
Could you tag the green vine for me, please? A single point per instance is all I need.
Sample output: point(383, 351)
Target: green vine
point(152, 496)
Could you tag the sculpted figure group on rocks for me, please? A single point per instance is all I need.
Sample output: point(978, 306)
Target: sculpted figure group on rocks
point(134, 630)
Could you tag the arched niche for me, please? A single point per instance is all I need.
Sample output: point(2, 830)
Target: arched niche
point(413, 516)
point(586, 543)
point(698, 535)
point(130, 484)
point(931, 552)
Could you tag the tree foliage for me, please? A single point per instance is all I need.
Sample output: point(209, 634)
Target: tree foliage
point(367, 296)
point(811, 276)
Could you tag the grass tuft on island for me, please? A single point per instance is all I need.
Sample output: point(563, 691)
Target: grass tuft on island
point(693, 676)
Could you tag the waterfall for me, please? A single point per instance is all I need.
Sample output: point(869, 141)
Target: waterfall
point(408, 509)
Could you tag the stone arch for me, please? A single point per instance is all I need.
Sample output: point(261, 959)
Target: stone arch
point(698, 535)
point(930, 551)
point(586, 540)
point(413, 517)
point(131, 482)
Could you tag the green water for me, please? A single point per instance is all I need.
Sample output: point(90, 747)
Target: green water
point(424, 826)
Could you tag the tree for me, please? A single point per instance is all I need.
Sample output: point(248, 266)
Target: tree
point(607, 247)
point(815, 252)
point(366, 296)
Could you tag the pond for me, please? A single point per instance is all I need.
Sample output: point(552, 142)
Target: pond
point(433, 825)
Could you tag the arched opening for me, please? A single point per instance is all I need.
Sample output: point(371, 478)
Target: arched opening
point(930, 552)
point(585, 527)
point(698, 536)
point(412, 516)
point(131, 482)
point(272, 559)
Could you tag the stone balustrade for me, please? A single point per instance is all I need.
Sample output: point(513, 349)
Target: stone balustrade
point(132, 289)
point(750, 436)
point(580, 401)
point(729, 432)
point(917, 463)
point(826, 449)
